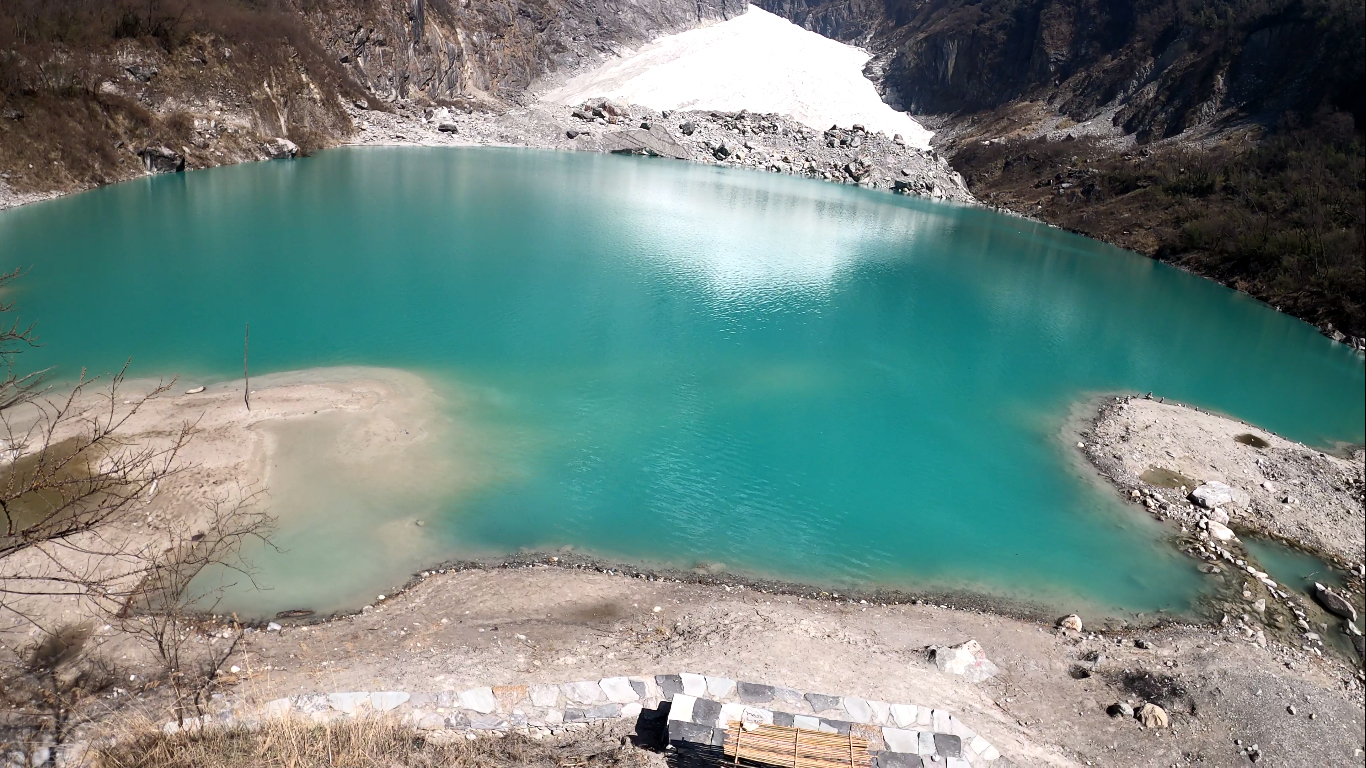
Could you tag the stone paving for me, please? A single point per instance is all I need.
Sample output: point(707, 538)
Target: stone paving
point(700, 709)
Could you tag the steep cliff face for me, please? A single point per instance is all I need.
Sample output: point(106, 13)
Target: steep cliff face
point(91, 89)
point(1224, 136)
point(1152, 68)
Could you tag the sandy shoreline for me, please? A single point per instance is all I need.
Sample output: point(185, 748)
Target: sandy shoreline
point(561, 616)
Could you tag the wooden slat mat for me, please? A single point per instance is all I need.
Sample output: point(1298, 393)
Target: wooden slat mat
point(795, 748)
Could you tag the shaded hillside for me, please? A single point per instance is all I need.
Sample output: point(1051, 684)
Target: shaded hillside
point(88, 86)
point(1267, 98)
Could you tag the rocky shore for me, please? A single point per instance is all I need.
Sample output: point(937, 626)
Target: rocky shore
point(774, 143)
point(1221, 481)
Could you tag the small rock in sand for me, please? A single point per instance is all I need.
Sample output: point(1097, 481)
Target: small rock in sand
point(967, 659)
point(1152, 716)
point(1071, 622)
point(1119, 709)
point(194, 391)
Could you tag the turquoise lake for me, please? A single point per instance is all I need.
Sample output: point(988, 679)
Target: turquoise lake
point(675, 363)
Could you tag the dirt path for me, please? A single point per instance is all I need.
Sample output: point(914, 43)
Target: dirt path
point(521, 625)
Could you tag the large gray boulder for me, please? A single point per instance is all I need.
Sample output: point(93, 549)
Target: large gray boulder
point(1334, 603)
point(161, 160)
point(1216, 494)
point(656, 142)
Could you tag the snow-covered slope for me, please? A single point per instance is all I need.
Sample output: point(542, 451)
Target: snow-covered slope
point(756, 61)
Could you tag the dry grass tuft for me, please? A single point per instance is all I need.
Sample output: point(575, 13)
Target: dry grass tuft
point(373, 742)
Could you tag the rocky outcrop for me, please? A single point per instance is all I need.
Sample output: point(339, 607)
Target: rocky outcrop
point(1137, 66)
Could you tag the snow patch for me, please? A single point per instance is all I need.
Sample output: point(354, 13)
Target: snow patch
point(756, 61)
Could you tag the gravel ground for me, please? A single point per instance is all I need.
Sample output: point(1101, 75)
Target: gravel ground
point(846, 155)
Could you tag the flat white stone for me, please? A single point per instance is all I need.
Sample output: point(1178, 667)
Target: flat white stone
point(582, 692)
point(957, 728)
point(383, 701)
point(277, 707)
point(806, 722)
point(720, 687)
point(480, 700)
point(681, 709)
point(730, 713)
point(349, 703)
point(991, 753)
point(899, 740)
point(958, 762)
point(544, 695)
point(922, 716)
point(694, 685)
point(757, 715)
point(903, 715)
point(828, 728)
point(554, 717)
point(858, 709)
point(882, 712)
point(978, 745)
point(924, 744)
point(618, 690)
point(939, 721)
point(631, 710)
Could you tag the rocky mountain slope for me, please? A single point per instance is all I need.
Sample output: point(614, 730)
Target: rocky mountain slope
point(93, 91)
point(1221, 135)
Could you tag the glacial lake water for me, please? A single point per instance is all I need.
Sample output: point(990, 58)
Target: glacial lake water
point(673, 363)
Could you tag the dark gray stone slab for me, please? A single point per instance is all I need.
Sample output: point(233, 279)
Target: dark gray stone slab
point(705, 711)
point(838, 725)
point(668, 686)
point(487, 722)
point(603, 712)
point(639, 687)
point(896, 760)
point(783, 718)
point(692, 733)
point(754, 693)
point(821, 702)
point(575, 716)
point(948, 745)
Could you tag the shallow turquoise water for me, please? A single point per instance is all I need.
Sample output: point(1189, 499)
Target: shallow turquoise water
point(681, 363)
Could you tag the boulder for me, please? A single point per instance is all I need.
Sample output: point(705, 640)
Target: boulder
point(1218, 515)
point(688, 128)
point(1219, 531)
point(967, 659)
point(161, 160)
point(656, 142)
point(448, 128)
point(1119, 709)
point(1071, 622)
point(1334, 603)
point(1152, 716)
point(280, 148)
point(1216, 494)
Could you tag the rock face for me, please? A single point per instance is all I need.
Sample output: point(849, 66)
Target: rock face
point(967, 659)
point(1142, 70)
point(1152, 716)
point(1334, 603)
point(161, 160)
point(280, 148)
point(655, 141)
